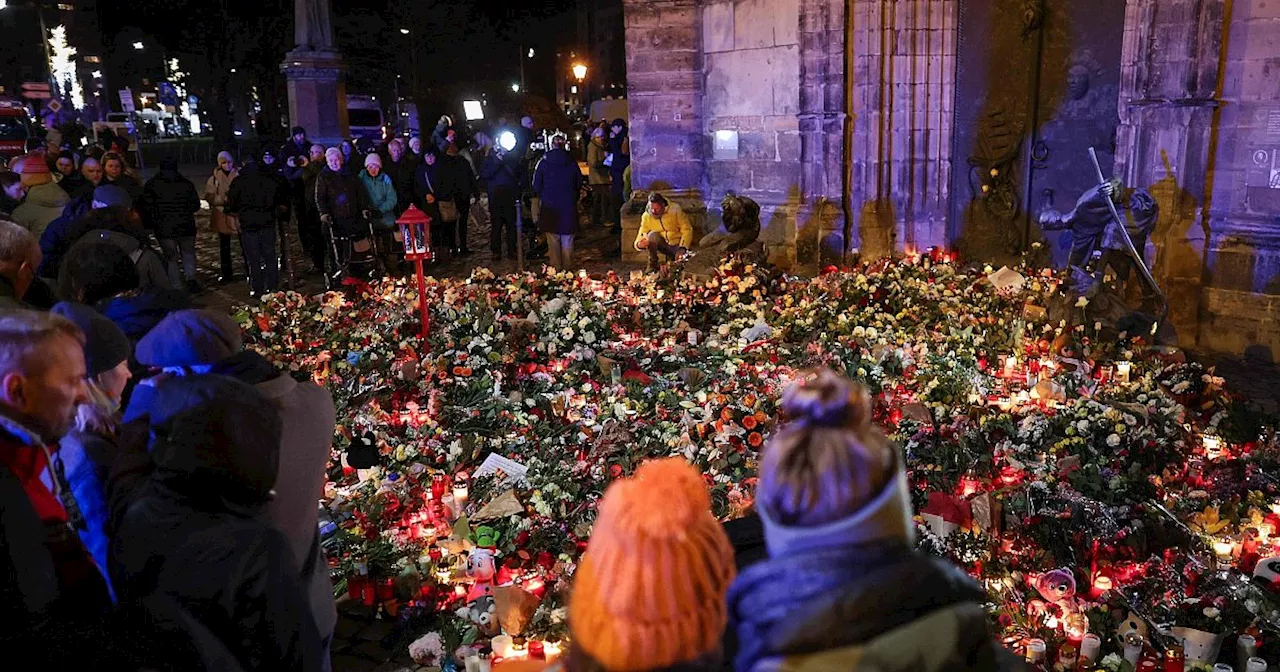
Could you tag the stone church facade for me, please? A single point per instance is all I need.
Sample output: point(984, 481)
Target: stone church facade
point(877, 126)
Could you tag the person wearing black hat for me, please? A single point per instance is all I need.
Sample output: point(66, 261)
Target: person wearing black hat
point(111, 210)
point(168, 207)
point(87, 450)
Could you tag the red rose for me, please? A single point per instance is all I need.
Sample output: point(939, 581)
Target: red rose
point(615, 471)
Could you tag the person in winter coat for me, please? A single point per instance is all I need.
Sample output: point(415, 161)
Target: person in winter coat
point(383, 203)
point(298, 147)
point(619, 158)
point(113, 220)
point(19, 259)
point(310, 233)
point(116, 172)
point(456, 172)
point(45, 200)
point(400, 169)
point(342, 204)
point(88, 174)
point(87, 450)
point(209, 341)
point(557, 182)
point(168, 207)
point(649, 591)
point(52, 596)
point(101, 274)
point(276, 170)
point(225, 225)
point(64, 168)
point(427, 190)
point(662, 223)
point(598, 178)
point(193, 530)
point(82, 192)
point(501, 174)
point(258, 198)
point(440, 136)
point(844, 587)
point(350, 157)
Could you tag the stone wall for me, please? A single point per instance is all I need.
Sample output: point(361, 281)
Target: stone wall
point(1242, 263)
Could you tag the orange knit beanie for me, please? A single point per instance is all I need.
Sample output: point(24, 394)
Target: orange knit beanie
point(650, 590)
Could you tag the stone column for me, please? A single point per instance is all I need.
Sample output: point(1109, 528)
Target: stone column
point(665, 93)
point(823, 237)
point(1169, 107)
point(314, 73)
point(903, 105)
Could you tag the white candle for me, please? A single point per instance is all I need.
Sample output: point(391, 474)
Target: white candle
point(552, 651)
point(503, 646)
point(1212, 446)
point(1010, 365)
point(1090, 646)
point(1122, 371)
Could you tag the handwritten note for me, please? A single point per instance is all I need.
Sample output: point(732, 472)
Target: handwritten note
point(495, 463)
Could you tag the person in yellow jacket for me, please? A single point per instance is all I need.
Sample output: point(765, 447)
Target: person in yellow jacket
point(661, 226)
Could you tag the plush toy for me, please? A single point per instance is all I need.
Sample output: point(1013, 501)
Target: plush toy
point(363, 452)
point(481, 569)
point(1266, 574)
point(1058, 588)
point(483, 613)
point(485, 537)
point(1132, 624)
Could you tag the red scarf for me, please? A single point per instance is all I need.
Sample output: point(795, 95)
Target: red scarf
point(28, 463)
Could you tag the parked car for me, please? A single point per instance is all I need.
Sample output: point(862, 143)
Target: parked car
point(15, 128)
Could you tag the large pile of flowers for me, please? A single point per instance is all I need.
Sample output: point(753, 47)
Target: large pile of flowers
point(1113, 497)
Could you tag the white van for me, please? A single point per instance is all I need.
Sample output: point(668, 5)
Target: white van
point(364, 116)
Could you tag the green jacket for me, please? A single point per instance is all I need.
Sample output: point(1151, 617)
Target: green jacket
point(597, 172)
point(382, 198)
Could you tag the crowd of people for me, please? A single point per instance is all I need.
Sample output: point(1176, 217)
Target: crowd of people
point(342, 201)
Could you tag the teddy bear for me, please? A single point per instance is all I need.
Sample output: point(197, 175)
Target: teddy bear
point(1131, 625)
point(1058, 590)
point(484, 614)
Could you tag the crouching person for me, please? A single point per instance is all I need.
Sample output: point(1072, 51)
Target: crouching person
point(843, 587)
point(664, 230)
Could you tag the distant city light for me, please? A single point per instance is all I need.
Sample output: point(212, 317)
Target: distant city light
point(573, 89)
point(530, 48)
point(137, 45)
point(515, 87)
point(404, 31)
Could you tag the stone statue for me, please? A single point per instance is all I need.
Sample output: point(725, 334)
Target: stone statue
point(741, 226)
point(313, 26)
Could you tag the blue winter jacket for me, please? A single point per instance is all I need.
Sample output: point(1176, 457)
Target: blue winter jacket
point(382, 198)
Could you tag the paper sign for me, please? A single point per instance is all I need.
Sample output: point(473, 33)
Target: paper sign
point(1007, 278)
point(495, 463)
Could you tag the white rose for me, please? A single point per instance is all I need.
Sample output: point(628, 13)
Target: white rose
point(1113, 440)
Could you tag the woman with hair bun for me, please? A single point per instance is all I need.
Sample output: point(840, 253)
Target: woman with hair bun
point(843, 587)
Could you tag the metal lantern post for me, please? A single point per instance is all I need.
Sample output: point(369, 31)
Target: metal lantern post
point(415, 230)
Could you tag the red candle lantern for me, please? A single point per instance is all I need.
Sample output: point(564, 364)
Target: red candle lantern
point(415, 231)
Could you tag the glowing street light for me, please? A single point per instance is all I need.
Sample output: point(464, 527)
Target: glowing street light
point(515, 87)
point(530, 48)
point(138, 46)
point(580, 71)
point(404, 31)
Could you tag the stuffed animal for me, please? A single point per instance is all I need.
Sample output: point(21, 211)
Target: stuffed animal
point(363, 452)
point(484, 614)
point(1058, 588)
point(481, 569)
point(1132, 624)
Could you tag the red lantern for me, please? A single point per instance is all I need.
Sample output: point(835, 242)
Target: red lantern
point(415, 230)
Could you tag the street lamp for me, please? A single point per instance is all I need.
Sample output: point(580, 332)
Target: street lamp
point(530, 48)
point(515, 87)
point(580, 71)
point(138, 46)
point(404, 31)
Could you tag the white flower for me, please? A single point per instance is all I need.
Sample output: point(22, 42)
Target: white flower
point(588, 337)
point(1113, 440)
point(1212, 612)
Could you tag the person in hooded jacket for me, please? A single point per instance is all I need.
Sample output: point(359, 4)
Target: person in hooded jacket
point(557, 181)
point(501, 172)
point(460, 181)
point(843, 586)
point(168, 207)
point(100, 274)
point(440, 134)
point(427, 190)
point(207, 341)
point(81, 191)
point(258, 199)
point(192, 529)
point(87, 450)
point(383, 202)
